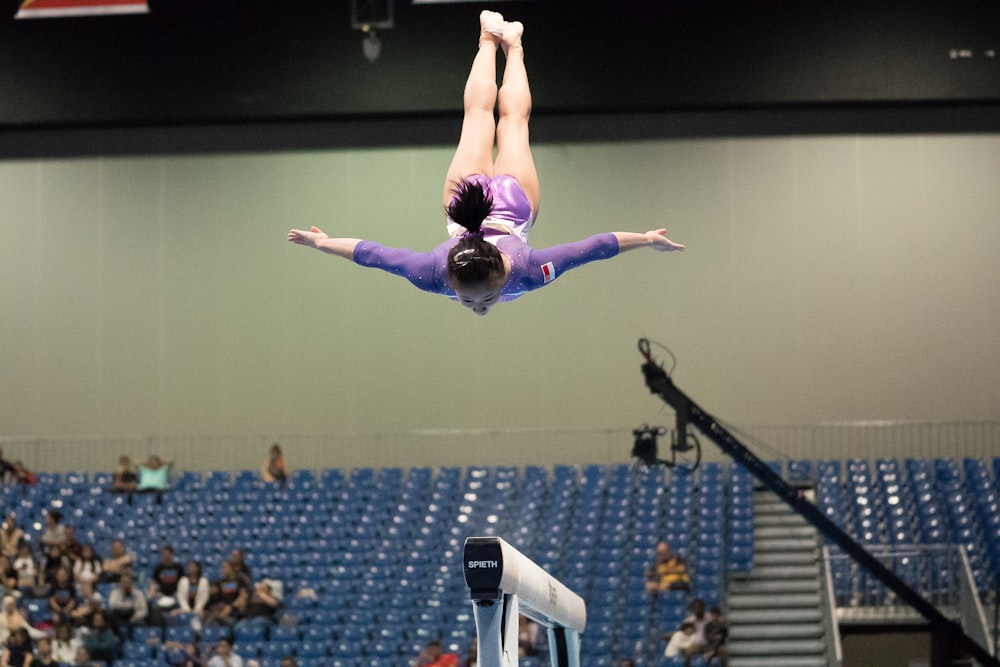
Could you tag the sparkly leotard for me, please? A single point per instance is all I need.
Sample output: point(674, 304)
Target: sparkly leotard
point(507, 228)
point(530, 268)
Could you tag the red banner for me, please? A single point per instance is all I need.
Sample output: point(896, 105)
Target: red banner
point(31, 9)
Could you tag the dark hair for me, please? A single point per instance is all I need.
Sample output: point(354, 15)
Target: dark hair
point(472, 260)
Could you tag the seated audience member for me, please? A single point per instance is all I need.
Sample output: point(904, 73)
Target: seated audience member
point(716, 635)
point(101, 641)
point(65, 644)
point(527, 637)
point(240, 567)
point(6, 469)
point(626, 662)
point(231, 598)
point(8, 577)
point(154, 475)
point(19, 649)
point(668, 572)
point(683, 643)
point(26, 567)
point(11, 536)
point(55, 560)
point(224, 655)
point(62, 596)
point(192, 591)
point(163, 586)
point(89, 601)
point(118, 562)
point(471, 657)
point(71, 546)
point(434, 656)
point(288, 661)
point(182, 655)
point(55, 532)
point(698, 619)
point(88, 567)
point(43, 654)
point(262, 603)
point(12, 618)
point(83, 659)
point(125, 479)
point(274, 468)
point(126, 604)
point(22, 475)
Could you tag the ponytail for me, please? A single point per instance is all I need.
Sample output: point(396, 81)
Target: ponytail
point(472, 260)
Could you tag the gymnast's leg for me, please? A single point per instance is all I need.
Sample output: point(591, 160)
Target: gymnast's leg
point(474, 154)
point(513, 149)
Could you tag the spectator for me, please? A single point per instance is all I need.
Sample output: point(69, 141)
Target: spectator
point(262, 602)
point(434, 656)
point(192, 591)
point(125, 479)
point(65, 644)
point(44, 656)
point(668, 572)
point(716, 635)
point(224, 655)
point(288, 661)
point(27, 568)
point(471, 658)
point(163, 587)
point(89, 601)
point(231, 598)
point(62, 595)
point(8, 577)
point(100, 640)
point(82, 658)
point(126, 604)
point(87, 568)
point(20, 651)
point(71, 546)
point(11, 536)
point(117, 563)
point(626, 662)
point(6, 469)
point(55, 560)
point(240, 567)
point(527, 637)
point(698, 619)
point(274, 468)
point(683, 643)
point(22, 475)
point(12, 618)
point(55, 532)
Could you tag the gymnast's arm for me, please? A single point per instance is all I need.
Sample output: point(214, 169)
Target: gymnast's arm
point(655, 239)
point(317, 238)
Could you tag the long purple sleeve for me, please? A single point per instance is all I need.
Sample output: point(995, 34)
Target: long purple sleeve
point(531, 268)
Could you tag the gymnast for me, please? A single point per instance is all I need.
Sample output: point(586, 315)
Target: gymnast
point(490, 206)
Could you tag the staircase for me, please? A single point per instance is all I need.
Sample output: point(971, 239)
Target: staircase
point(776, 614)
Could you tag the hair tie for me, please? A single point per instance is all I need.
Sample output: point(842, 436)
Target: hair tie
point(478, 234)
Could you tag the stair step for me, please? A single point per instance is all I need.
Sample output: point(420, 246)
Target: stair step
point(804, 661)
point(784, 544)
point(754, 586)
point(782, 532)
point(758, 616)
point(786, 557)
point(785, 571)
point(766, 601)
point(771, 520)
point(776, 647)
point(776, 631)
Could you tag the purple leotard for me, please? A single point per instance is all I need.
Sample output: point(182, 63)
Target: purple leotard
point(531, 268)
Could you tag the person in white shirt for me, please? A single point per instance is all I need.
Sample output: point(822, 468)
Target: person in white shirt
point(683, 643)
point(192, 591)
point(224, 656)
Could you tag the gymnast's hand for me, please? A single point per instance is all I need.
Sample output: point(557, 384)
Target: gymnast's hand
point(312, 239)
point(659, 241)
